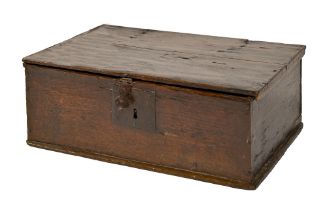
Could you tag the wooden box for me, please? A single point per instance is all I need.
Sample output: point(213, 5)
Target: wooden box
point(215, 109)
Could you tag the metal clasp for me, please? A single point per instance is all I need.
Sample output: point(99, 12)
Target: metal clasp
point(133, 107)
point(125, 97)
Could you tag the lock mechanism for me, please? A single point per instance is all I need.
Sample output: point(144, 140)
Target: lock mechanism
point(132, 106)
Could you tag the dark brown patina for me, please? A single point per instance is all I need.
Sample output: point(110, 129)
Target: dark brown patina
point(215, 109)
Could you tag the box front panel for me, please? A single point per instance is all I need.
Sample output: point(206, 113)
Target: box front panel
point(194, 130)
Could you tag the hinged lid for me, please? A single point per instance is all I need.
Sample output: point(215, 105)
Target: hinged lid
point(236, 66)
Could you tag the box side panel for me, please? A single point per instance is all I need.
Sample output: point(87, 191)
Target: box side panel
point(276, 114)
point(195, 130)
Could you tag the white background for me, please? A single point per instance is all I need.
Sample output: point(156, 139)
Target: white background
point(31, 178)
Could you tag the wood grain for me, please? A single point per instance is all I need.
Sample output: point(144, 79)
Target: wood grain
point(248, 185)
point(216, 109)
point(195, 130)
point(275, 115)
point(237, 66)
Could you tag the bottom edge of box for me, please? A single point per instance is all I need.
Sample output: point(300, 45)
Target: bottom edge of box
point(258, 178)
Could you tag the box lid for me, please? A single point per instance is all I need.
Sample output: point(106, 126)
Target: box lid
point(229, 65)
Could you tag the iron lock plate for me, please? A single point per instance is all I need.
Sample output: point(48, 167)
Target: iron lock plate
point(133, 107)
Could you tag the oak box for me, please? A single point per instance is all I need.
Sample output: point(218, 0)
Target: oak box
point(215, 109)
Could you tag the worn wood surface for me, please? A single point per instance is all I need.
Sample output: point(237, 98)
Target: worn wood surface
point(216, 109)
point(229, 65)
point(214, 137)
point(258, 177)
point(197, 131)
point(275, 114)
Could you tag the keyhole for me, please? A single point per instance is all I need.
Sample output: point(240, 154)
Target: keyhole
point(135, 114)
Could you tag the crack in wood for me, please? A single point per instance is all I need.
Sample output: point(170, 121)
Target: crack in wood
point(188, 53)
